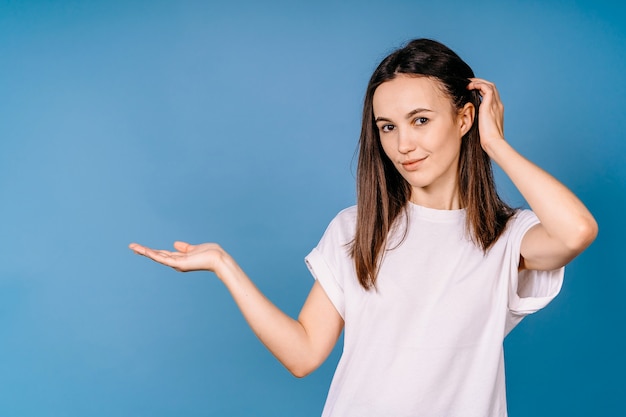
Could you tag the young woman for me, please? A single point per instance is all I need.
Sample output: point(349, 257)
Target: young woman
point(431, 270)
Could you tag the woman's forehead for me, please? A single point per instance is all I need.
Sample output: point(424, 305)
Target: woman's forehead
point(407, 92)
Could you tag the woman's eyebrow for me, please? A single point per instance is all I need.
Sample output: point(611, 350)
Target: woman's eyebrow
point(416, 111)
point(408, 116)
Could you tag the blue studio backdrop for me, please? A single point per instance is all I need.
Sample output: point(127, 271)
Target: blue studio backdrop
point(237, 122)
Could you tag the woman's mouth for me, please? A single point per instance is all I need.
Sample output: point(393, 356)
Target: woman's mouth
point(413, 164)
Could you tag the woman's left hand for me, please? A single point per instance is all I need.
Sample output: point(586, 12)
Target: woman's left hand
point(490, 114)
point(566, 227)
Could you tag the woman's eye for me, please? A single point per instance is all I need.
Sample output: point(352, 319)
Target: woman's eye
point(387, 128)
point(420, 121)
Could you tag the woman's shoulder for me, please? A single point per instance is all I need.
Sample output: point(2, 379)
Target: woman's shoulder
point(345, 218)
point(523, 218)
point(519, 223)
point(343, 225)
point(348, 213)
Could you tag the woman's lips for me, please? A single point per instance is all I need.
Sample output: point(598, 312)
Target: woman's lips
point(413, 164)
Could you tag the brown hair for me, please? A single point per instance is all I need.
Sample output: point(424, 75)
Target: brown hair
point(382, 193)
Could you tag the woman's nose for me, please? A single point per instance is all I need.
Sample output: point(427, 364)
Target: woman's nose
point(406, 140)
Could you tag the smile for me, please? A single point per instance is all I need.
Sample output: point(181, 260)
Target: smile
point(413, 164)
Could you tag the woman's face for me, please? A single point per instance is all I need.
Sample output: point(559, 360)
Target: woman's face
point(421, 132)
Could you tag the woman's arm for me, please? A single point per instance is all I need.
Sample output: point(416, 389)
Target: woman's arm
point(566, 227)
point(300, 345)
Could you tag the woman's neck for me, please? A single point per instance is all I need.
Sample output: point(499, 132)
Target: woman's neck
point(441, 200)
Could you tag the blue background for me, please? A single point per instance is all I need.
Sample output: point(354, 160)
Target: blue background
point(153, 121)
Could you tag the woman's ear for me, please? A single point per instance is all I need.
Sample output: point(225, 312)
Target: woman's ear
point(466, 118)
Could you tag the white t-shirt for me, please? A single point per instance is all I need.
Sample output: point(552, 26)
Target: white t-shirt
point(428, 341)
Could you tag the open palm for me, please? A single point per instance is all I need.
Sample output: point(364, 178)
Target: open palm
point(186, 258)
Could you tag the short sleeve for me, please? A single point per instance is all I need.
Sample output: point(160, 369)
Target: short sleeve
point(529, 290)
point(330, 261)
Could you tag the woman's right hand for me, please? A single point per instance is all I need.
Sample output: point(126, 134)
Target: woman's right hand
point(203, 257)
point(301, 345)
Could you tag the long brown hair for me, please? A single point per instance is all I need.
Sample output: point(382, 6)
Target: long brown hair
point(383, 194)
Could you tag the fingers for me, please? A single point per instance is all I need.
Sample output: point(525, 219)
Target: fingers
point(186, 257)
point(477, 83)
point(491, 112)
point(137, 248)
point(161, 256)
point(183, 247)
point(486, 88)
point(142, 250)
point(491, 103)
point(179, 246)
